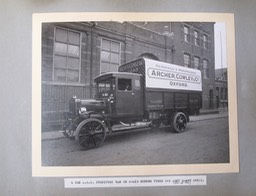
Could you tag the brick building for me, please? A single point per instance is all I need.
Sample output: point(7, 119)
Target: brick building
point(73, 54)
point(221, 86)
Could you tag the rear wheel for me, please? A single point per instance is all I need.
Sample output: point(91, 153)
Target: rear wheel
point(179, 122)
point(91, 133)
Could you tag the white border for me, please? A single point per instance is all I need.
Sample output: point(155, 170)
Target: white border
point(127, 170)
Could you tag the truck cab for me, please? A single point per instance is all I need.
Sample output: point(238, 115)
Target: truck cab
point(123, 93)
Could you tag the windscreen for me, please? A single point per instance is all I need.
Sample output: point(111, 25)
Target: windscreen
point(106, 86)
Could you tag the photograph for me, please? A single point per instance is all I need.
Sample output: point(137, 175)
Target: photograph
point(128, 98)
point(134, 93)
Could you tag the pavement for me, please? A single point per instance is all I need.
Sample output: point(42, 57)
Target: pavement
point(208, 116)
point(204, 115)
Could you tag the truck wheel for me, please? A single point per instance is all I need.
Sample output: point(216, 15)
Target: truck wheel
point(179, 122)
point(91, 133)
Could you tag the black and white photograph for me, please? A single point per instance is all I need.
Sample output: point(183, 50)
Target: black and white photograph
point(134, 93)
point(128, 98)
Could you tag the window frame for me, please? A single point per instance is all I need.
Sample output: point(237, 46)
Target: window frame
point(205, 42)
point(112, 85)
point(124, 79)
point(196, 38)
point(196, 57)
point(101, 49)
point(66, 55)
point(189, 62)
point(186, 35)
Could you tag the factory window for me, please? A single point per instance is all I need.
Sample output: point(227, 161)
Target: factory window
point(196, 62)
point(110, 55)
point(196, 36)
point(205, 41)
point(66, 56)
point(186, 34)
point(186, 60)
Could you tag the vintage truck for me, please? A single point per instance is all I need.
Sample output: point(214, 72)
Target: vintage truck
point(151, 92)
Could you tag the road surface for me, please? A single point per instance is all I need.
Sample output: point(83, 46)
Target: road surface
point(204, 141)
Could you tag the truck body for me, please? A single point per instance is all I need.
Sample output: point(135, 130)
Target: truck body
point(142, 90)
point(166, 88)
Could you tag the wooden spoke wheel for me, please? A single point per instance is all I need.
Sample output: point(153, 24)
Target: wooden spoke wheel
point(91, 133)
point(179, 122)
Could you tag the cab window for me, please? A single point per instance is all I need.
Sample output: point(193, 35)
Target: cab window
point(124, 84)
point(106, 85)
point(137, 84)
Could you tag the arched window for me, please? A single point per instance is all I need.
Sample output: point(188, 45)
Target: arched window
point(149, 56)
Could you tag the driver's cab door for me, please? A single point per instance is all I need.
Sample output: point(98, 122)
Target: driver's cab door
point(128, 94)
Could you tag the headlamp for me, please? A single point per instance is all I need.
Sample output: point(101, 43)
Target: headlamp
point(82, 110)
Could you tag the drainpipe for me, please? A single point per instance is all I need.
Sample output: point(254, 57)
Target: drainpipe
point(91, 61)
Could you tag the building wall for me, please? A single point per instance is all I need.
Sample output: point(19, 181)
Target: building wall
point(190, 48)
point(164, 40)
point(221, 88)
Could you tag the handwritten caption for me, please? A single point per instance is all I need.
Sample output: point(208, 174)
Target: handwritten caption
point(135, 181)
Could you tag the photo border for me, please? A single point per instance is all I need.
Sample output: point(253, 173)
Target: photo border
point(132, 170)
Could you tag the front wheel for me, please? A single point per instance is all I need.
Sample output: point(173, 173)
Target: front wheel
point(91, 133)
point(179, 122)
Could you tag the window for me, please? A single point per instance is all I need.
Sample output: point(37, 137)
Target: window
point(196, 63)
point(110, 55)
point(137, 84)
point(186, 60)
point(107, 85)
point(149, 56)
point(196, 36)
point(124, 84)
point(205, 68)
point(66, 56)
point(205, 41)
point(186, 34)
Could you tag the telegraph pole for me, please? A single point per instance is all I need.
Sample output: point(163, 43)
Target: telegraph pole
point(222, 77)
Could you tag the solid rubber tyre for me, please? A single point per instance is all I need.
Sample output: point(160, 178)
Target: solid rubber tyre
point(179, 122)
point(91, 133)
